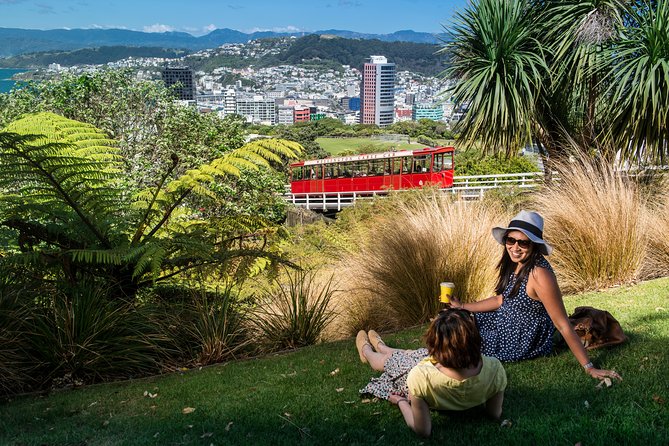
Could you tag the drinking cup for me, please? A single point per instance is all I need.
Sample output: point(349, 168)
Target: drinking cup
point(446, 292)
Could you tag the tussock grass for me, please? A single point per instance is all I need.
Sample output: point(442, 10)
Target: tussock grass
point(656, 262)
point(597, 220)
point(421, 243)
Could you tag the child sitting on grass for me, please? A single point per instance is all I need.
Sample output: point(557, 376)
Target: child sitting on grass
point(450, 374)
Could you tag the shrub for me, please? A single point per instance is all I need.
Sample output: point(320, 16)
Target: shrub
point(210, 327)
point(596, 220)
point(295, 310)
point(13, 366)
point(80, 336)
point(418, 245)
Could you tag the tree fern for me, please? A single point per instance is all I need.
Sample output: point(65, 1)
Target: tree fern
point(60, 192)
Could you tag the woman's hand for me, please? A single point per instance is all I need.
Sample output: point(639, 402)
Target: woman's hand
point(455, 302)
point(602, 374)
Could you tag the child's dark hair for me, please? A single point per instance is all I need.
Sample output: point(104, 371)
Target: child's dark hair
point(453, 340)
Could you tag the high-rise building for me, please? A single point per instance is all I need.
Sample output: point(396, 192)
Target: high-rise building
point(377, 92)
point(257, 110)
point(182, 79)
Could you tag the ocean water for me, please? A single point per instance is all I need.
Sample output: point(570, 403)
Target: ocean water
point(6, 81)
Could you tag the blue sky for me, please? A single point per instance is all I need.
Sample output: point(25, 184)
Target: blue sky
point(198, 17)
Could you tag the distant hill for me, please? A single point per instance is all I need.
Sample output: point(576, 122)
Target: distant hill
point(417, 57)
point(88, 56)
point(15, 41)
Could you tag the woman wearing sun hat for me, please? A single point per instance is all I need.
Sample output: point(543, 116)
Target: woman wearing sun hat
point(517, 323)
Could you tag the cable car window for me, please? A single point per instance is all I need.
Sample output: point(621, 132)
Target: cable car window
point(406, 165)
point(421, 163)
point(376, 167)
point(297, 173)
point(438, 162)
point(448, 161)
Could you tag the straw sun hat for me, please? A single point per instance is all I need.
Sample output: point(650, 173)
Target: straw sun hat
point(529, 223)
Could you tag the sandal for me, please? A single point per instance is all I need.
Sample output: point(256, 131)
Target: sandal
point(360, 341)
point(375, 339)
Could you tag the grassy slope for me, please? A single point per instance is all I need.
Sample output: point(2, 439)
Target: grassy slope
point(310, 397)
point(335, 146)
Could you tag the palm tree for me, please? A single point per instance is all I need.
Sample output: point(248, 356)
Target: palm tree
point(587, 74)
point(499, 63)
point(638, 92)
point(576, 35)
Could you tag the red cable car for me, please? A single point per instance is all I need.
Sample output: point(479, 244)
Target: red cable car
point(374, 172)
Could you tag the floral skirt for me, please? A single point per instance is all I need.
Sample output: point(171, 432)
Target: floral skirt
point(394, 378)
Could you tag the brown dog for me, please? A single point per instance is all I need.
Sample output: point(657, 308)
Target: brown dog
point(596, 328)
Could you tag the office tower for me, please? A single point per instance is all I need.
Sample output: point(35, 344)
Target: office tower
point(377, 92)
point(182, 77)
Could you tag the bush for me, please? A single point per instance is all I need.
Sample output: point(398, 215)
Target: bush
point(295, 311)
point(13, 366)
point(472, 162)
point(596, 219)
point(415, 247)
point(209, 327)
point(80, 336)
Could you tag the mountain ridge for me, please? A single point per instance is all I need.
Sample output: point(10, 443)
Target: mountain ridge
point(17, 41)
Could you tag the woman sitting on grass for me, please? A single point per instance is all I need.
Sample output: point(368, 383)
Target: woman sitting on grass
point(518, 323)
point(450, 374)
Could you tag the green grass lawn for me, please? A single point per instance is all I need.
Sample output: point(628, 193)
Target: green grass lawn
point(335, 146)
point(311, 396)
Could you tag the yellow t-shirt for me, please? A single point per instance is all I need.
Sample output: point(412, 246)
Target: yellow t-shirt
point(441, 392)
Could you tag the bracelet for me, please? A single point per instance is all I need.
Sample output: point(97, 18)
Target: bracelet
point(403, 399)
point(588, 366)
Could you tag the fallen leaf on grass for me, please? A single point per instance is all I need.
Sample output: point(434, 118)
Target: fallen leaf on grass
point(341, 389)
point(229, 425)
point(506, 423)
point(349, 402)
point(658, 309)
point(366, 400)
point(187, 410)
point(605, 381)
point(335, 371)
point(206, 435)
point(286, 414)
point(658, 399)
point(586, 404)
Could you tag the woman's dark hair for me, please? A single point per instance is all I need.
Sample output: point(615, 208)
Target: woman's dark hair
point(506, 266)
point(453, 340)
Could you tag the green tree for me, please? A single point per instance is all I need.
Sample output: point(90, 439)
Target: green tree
point(498, 61)
point(590, 75)
point(62, 194)
point(638, 79)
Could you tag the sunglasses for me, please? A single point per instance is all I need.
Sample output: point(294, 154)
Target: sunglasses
point(510, 241)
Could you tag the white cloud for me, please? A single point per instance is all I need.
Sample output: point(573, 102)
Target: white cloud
point(158, 28)
point(209, 28)
point(278, 29)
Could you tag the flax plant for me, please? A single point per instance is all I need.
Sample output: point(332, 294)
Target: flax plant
point(420, 245)
point(596, 221)
point(294, 311)
point(215, 326)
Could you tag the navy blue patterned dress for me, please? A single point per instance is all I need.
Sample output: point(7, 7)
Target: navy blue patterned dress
point(520, 328)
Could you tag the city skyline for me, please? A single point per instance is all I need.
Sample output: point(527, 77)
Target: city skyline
point(200, 17)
